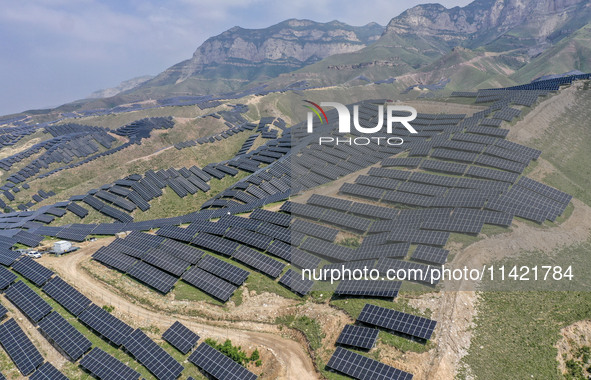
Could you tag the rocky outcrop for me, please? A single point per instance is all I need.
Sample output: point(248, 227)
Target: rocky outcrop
point(485, 20)
point(292, 44)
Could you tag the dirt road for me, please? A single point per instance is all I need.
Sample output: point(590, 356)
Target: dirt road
point(294, 362)
point(457, 308)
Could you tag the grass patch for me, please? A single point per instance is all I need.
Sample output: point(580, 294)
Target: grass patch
point(516, 330)
point(488, 230)
point(235, 352)
point(261, 284)
point(566, 146)
point(565, 215)
point(170, 204)
point(403, 344)
point(306, 325)
point(351, 242)
point(185, 292)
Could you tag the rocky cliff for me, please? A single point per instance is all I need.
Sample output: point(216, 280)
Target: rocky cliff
point(247, 53)
point(484, 21)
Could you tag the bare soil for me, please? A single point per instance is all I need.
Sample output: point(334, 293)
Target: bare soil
point(289, 358)
point(538, 120)
point(574, 336)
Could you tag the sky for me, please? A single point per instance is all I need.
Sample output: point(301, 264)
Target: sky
point(57, 51)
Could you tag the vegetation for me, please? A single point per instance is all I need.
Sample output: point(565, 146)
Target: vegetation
point(235, 352)
point(518, 325)
point(565, 144)
point(108, 308)
point(351, 242)
point(579, 366)
point(306, 325)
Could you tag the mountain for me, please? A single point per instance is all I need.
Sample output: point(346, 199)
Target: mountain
point(496, 24)
point(123, 86)
point(487, 42)
point(483, 44)
point(239, 56)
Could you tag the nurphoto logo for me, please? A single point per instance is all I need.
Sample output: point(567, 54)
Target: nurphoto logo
point(344, 115)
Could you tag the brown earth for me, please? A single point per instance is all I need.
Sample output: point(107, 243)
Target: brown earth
point(457, 309)
point(291, 361)
point(535, 123)
point(454, 310)
point(573, 337)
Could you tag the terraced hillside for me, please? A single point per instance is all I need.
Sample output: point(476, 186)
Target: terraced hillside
point(196, 217)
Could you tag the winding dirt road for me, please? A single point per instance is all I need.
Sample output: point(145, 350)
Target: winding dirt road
point(293, 360)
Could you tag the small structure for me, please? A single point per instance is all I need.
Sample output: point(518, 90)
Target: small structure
point(62, 246)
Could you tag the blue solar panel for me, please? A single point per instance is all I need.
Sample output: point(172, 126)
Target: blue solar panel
point(32, 271)
point(29, 302)
point(219, 365)
point(65, 336)
point(47, 372)
point(70, 298)
point(361, 367)
point(104, 366)
point(105, 324)
point(18, 346)
point(397, 321)
point(152, 356)
point(180, 337)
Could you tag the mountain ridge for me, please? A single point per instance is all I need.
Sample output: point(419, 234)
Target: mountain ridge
point(507, 42)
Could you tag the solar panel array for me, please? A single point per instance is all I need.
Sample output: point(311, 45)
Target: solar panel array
point(104, 366)
point(209, 283)
point(156, 278)
point(294, 282)
point(65, 336)
point(29, 302)
point(6, 278)
point(257, 260)
point(47, 372)
point(32, 271)
point(180, 337)
point(361, 367)
point(218, 365)
point(152, 356)
point(106, 324)
point(358, 336)
point(368, 288)
point(224, 270)
point(431, 255)
point(66, 295)
point(18, 346)
point(483, 184)
point(397, 321)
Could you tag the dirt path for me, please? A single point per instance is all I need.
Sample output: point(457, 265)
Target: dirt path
point(455, 310)
point(458, 308)
point(294, 362)
point(151, 155)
